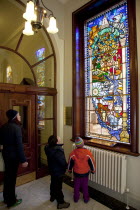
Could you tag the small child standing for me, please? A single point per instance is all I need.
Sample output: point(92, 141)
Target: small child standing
point(82, 162)
point(57, 166)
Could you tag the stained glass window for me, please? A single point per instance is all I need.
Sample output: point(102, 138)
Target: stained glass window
point(107, 75)
point(40, 54)
point(41, 112)
point(9, 74)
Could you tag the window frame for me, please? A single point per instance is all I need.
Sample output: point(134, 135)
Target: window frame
point(78, 17)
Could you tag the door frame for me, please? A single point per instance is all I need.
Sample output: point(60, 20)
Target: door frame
point(34, 90)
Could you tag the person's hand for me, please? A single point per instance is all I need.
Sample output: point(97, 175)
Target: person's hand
point(24, 165)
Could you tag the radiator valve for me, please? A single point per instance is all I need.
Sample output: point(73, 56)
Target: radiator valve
point(127, 190)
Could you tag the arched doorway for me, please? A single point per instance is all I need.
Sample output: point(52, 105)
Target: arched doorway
point(28, 84)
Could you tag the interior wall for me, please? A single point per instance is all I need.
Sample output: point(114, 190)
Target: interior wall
point(133, 165)
point(58, 43)
point(63, 48)
point(70, 7)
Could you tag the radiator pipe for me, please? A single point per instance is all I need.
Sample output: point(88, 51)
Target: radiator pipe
point(127, 191)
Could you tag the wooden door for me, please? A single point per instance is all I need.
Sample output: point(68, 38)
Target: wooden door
point(25, 104)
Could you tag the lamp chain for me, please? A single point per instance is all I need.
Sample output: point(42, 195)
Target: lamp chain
point(47, 8)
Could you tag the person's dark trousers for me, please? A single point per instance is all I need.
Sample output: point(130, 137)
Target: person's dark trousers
point(10, 175)
point(56, 189)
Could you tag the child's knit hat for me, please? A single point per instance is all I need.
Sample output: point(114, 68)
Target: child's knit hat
point(79, 142)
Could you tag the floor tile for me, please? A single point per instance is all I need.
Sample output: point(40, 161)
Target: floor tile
point(35, 196)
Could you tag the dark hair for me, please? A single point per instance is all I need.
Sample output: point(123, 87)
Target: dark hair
point(52, 141)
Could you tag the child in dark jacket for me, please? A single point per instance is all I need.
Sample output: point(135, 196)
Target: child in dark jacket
point(82, 162)
point(57, 166)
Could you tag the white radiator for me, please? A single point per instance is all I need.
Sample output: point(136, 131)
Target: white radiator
point(110, 169)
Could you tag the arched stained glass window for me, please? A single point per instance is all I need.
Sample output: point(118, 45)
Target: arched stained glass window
point(9, 74)
point(107, 75)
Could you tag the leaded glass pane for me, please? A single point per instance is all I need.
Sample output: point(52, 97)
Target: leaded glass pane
point(45, 132)
point(9, 74)
point(107, 75)
point(44, 72)
point(45, 107)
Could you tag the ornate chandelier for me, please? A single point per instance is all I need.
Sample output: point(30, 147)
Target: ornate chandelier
point(34, 17)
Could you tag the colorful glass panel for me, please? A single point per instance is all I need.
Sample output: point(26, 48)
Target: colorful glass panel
point(41, 112)
point(40, 54)
point(107, 75)
point(9, 74)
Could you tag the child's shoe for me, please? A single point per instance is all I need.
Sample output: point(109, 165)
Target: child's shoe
point(63, 205)
point(86, 201)
point(52, 199)
point(76, 201)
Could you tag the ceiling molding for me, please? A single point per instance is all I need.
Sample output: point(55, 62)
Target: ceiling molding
point(63, 1)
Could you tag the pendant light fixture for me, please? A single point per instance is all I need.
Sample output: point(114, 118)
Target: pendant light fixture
point(34, 17)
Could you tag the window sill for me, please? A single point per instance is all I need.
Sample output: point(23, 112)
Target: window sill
point(120, 148)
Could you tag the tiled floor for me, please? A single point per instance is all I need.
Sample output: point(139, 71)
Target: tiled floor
point(36, 196)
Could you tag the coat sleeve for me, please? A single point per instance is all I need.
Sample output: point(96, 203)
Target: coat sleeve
point(60, 158)
point(70, 163)
point(91, 162)
point(19, 146)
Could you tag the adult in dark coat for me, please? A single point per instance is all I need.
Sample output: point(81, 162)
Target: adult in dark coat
point(13, 155)
point(57, 166)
